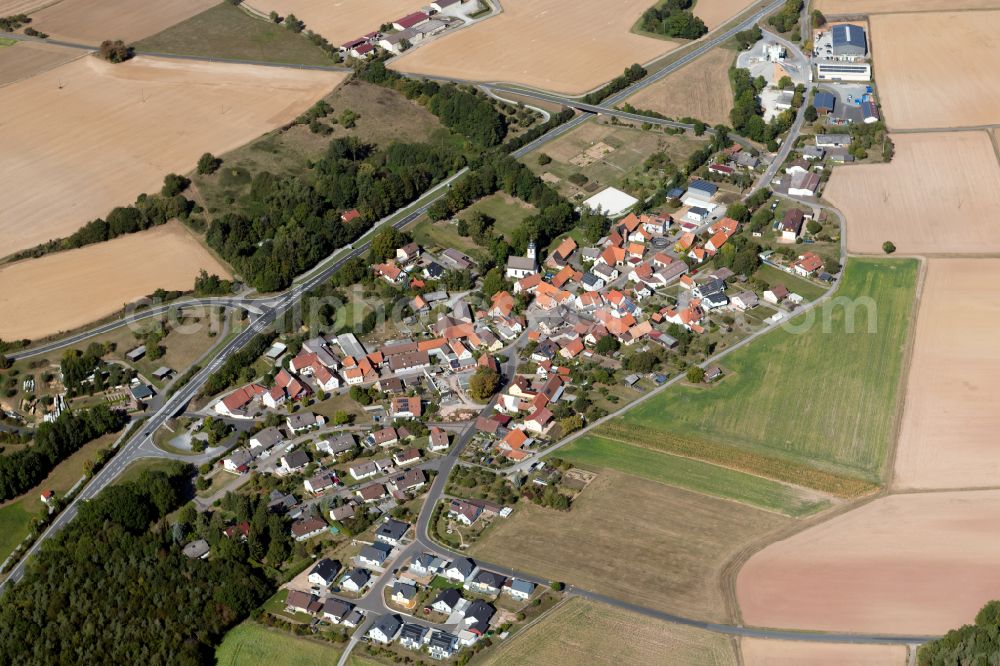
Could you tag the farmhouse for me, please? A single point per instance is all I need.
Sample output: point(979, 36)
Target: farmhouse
point(410, 20)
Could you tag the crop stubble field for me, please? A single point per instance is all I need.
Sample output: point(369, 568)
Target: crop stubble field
point(934, 180)
point(62, 291)
point(592, 633)
point(700, 90)
point(92, 22)
point(948, 436)
point(716, 12)
point(87, 136)
point(24, 59)
point(893, 6)
point(676, 543)
point(765, 652)
point(823, 398)
point(917, 563)
point(567, 46)
point(937, 69)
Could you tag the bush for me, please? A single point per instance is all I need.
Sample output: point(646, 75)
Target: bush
point(888, 247)
point(115, 51)
point(208, 163)
point(174, 184)
point(695, 375)
point(544, 159)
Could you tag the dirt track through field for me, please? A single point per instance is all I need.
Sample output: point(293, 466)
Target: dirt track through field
point(66, 290)
point(87, 136)
point(938, 195)
point(937, 69)
point(949, 429)
point(567, 46)
point(913, 564)
point(129, 20)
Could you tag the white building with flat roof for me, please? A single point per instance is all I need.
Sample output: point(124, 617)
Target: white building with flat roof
point(610, 201)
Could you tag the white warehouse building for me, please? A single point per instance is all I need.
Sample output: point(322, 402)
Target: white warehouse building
point(844, 71)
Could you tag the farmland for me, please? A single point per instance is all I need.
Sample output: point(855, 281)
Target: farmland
point(820, 394)
point(594, 452)
point(717, 12)
point(128, 20)
point(88, 136)
point(383, 116)
point(931, 178)
point(339, 21)
point(66, 290)
point(948, 433)
point(764, 652)
point(596, 634)
point(252, 644)
point(678, 543)
point(226, 31)
point(891, 6)
point(566, 46)
point(607, 155)
point(699, 90)
point(917, 563)
point(20, 60)
point(943, 78)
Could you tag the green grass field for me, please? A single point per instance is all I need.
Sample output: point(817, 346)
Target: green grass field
point(7, 41)
point(508, 212)
point(15, 521)
point(599, 453)
point(821, 396)
point(254, 645)
point(226, 31)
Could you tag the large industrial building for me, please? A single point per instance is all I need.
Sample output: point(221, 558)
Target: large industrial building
point(849, 40)
point(843, 71)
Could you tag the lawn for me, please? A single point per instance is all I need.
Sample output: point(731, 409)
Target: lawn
point(15, 521)
point(598, 453)
point(677, 544)
point(804, 288)
point(820, 394)
point(443, 234)
point(136, 468)
point(251, 644)
point(592, 633)
point(226, 31)
point(508, 212)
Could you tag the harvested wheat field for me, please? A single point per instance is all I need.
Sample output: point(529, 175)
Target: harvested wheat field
point(567, 46)
point(11, 7)
point(716, 12)
point(65, 290)
point(679, 543)
point(873, 7)
point(592, 633)
point(340, 20)
point(765, 652)
point(915, 564)
point(937, 69)
point(938, 195)
point(25, 59)
point(111, 132)
point(948, 437)
point(700, 90)
point(129, 20)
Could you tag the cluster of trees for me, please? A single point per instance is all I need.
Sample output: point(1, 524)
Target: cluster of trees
point(977, 643)
point(24, 469)
point(673, 18)
point(787, 17)
point(464, 109)
point(744, 39)
point(211, 285)
point(115, 51)
point(555, 120)
point(289, 223)
point(632, 74)
point(76, 366)
point(180, 610)
point(747, 116)
point(239, 366)
point(866, 136)
point(13, 22)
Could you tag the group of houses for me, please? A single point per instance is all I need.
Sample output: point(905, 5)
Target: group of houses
point(402, 33)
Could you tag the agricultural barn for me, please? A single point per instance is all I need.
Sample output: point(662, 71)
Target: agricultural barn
point(824, 102)
point(849, 40)
point(869, 112)
point(842, 71)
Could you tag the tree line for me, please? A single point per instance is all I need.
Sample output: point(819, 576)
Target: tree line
point(238, 364)
point(634, 73)
point(113, 586)
point(463, 109)
point(977, 643)
point(54, 442)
